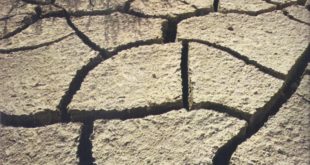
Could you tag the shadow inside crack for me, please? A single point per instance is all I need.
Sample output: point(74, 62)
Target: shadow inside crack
point(239, 56)
point(23, 25)
point(170, 31)
point(18, 13)
point(222, 109)
point(75, 85)
point(38, 119)
point(216, 5)
point(125, 114)
point(84, 152)
point(286, 13)
point(185, 76)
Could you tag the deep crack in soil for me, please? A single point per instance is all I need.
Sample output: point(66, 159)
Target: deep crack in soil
point(38, 119)
point(125, 114)
point(223, 109)
point(75, 85)
point(239, 56)
point(185, 76)
point(258, 119)
point(286, 13)
point(84, 151)
point(30, 21)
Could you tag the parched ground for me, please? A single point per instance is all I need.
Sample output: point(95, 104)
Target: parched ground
point(155, 82)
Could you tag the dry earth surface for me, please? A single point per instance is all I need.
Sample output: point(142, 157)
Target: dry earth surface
point(155, 82)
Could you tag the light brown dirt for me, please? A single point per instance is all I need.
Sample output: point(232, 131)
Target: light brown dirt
point(118, 29)
point(93, 5)
point(138, 77)
point(270, 39)
point(304, 87)
point(178, 137)
point(131, 98)
point(284, 139)
point(54, 144)
point(35, 80)
point(170, 8)
point(299, 12)
point(14, 14)
point(218, 77)
point(245, 6)
point(42, 31)
point(283, 2)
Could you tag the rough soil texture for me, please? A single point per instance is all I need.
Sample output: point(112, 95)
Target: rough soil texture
point(35, 80)
point(299, 13)
point(93, 5)
point(282, 2)
point(304, 87)
point(169, 8)
point(14, 15)
point(284, 139)
point(308, 68)
point(84, 7)
point(275, 41)
point(178, 137)
point(43, 31)
point(154, 82)
point(139, 77)
point(119, 29)
point(217, 77)
point(53, 144)
point(244, 6)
